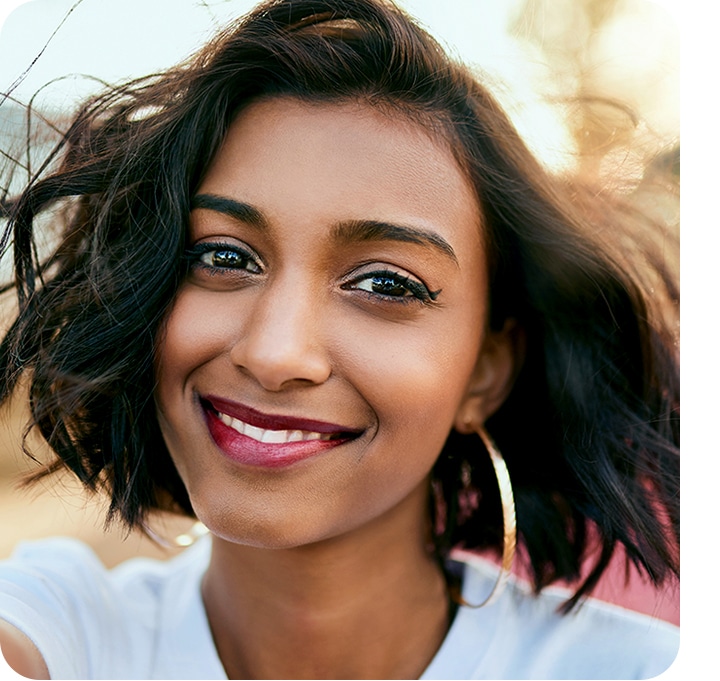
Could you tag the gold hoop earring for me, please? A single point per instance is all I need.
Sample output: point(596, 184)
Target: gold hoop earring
point(507, 499)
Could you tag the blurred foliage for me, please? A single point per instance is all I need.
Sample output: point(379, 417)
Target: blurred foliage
point(614, 75)
point(615, 65)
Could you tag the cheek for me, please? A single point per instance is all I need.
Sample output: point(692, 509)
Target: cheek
point(415, 389)
point(415, 380)
point(195, 331)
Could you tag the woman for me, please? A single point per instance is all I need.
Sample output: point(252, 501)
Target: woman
point(298, 277)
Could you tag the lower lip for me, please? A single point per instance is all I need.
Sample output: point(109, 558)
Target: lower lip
point(245, 450)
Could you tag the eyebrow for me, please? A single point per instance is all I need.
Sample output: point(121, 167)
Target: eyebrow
point(237, 210)
point(346, 231)
point(374, 230)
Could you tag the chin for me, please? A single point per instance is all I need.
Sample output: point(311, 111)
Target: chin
point(270, 529)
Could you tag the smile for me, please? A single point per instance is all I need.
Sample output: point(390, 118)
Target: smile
point(260, 440)
point(273, 436)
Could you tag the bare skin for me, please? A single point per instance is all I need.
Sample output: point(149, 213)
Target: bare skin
point(21, 654)
point(348, 607)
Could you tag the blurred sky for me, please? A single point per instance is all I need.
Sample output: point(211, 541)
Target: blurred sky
point(118, 39)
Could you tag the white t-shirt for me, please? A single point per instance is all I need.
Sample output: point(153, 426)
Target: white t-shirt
point(145, 620)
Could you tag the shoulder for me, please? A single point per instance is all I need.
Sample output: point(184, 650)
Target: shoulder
point(523, 635)
point(66, 573)
point(88, 621)
point(50, 575)
point(46, 589)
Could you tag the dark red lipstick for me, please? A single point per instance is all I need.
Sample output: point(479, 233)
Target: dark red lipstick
point(254, 438)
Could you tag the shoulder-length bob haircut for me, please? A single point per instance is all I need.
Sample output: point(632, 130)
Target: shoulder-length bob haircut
point(590, 430)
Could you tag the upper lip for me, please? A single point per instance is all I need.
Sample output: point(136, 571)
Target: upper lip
point(273, 421)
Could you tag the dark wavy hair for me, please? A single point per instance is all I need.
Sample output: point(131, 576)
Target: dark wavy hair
point(590, 429)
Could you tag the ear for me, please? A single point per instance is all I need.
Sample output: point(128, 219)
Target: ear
point(499, 362)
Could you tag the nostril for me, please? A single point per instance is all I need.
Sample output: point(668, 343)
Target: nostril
point(276, 362)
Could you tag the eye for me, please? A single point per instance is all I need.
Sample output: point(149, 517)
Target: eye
point(222, 256)
point(389, 285)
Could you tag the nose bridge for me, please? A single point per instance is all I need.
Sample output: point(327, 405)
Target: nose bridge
point(281, 340)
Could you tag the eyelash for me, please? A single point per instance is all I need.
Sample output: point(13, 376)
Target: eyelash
point(194, 256)
point(419, 293)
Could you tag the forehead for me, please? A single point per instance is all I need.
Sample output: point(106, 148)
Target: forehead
point(343, 157)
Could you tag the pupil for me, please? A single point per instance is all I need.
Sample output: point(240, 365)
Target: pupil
point(387, 286)
point(225, 258)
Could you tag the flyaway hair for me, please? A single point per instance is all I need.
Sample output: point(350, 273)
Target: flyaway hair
point(590, 430)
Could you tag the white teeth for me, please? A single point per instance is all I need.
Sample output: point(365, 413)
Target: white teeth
point(271, 436)
point(253, 432)
point(274, 436)
point(227, 420)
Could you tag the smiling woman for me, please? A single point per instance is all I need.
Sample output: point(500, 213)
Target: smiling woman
point(341, 300)
point(298, 276)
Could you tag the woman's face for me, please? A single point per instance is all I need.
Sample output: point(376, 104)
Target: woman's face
point(316, 355)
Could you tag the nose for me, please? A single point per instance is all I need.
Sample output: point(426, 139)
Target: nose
point(281, 342)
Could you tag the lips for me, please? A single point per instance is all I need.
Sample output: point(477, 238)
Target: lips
point(258, 439)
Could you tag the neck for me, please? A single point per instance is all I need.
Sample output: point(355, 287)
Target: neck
point(368, 604)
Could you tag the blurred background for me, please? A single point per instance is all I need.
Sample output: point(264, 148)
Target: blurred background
point(592, 85)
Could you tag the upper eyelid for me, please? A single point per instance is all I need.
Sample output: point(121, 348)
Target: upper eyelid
point(411, 281)
point(358, 273)
point(406, 282)
point(202, 247)
point(209, 243)
point(383, 268)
